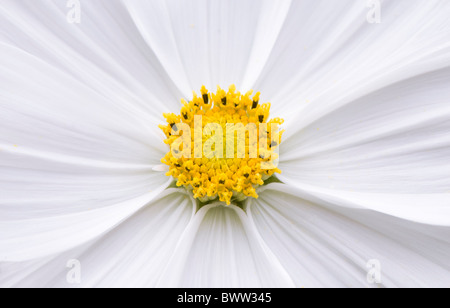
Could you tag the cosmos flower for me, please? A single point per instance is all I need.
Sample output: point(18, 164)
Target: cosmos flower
point(363, 198)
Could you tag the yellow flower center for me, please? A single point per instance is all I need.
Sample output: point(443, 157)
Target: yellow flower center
point(223, 145)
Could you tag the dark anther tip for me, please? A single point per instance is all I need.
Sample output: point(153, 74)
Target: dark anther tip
point(206, 98)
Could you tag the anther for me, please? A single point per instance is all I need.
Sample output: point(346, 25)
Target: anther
point(206, 99)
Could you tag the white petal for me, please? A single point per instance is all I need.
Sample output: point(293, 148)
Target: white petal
point(211, 43)
point(64, 147)
point(392, 142)
point(430, 209)
point(328, 54)
point(325, 246)
point(133, 254)
point(220, 248)
point(272, 18)
point(30, 238)
point(105, 51)
point(44, 108)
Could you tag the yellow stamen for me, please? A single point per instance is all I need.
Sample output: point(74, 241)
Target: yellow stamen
point(209, 172)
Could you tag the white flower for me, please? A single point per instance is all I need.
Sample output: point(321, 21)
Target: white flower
point(365, 158)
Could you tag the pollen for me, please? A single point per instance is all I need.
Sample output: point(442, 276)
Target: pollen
point(223, 145)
